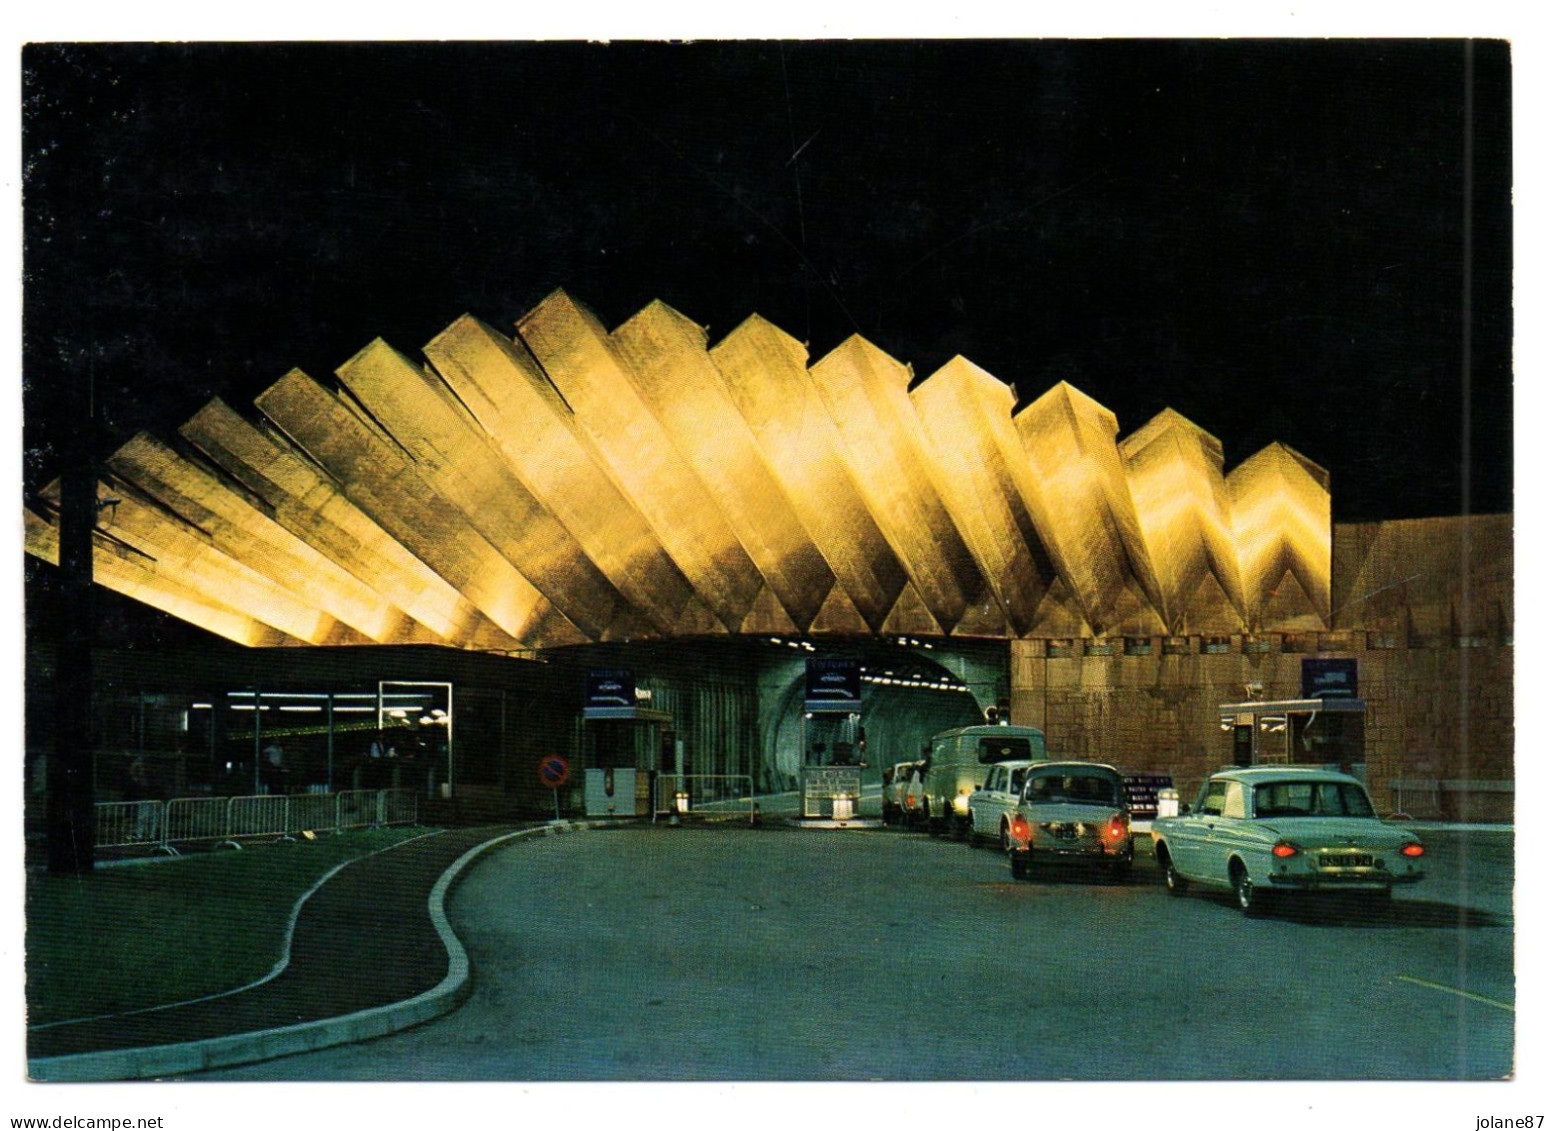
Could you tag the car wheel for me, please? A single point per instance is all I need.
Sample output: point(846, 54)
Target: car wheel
point(1004, 836)
point(1020, 868)
point(1175, 884)
point(1249, 898)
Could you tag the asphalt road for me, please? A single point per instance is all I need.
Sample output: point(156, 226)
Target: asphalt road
point(726, 953)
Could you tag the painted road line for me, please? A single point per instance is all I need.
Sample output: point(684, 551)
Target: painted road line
point(1455, 990)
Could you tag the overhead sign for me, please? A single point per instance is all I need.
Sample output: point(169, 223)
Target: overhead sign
point(1329, 679)
point(612, 694)
point(832, 685)
point(554, 772)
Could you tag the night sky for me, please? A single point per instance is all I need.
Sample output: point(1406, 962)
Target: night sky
point(1268, 236)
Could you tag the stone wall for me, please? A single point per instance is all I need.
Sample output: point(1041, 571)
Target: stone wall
point(1428, 619)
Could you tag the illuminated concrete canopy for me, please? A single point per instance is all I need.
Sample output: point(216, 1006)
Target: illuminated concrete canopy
point(570, 484)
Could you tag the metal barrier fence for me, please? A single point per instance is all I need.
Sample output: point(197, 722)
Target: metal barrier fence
point(129, 822)
point(706, 795)
point(309, 812)
point(194, 819)
point(256, 816)
point(1417, 797)
point(397, 807)
point(359, 809)
point(189, 820)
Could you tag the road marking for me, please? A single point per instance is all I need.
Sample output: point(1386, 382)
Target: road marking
point(1455, 990)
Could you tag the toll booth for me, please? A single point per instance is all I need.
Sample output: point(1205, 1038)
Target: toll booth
point(615, 792)
point(831, 777)
point(625, 741)
point(831, 780)
point(1320, 731)
point(1325, 727)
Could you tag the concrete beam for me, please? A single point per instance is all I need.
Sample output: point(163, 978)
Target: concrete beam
point(1085, 513)
point(310, 505)
point(765, 372)
point(183, 550)
point(865, 390)
point(1175, 477)
point(577, 355)
point(666, 356)
point(965, 414)
point(142, 579)
point(1281, 524)
point(537, 435)
point(244, 532)
point(378, 475)
point(453, 456)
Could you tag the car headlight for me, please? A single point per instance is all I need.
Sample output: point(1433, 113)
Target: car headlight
point(961, 804)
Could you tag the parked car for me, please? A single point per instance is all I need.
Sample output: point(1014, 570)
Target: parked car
point(1264, 829)
point(992, 804)
point(1072, 813)
point(893, 789)
point(959, 761)
point(914, 800)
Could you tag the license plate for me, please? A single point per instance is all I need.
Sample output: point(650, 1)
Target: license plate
point(1347, 860)
point(1062, 832)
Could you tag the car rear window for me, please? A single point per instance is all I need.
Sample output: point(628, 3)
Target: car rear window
point(1003, 750)
point(1081, 789)
point(1312, 799)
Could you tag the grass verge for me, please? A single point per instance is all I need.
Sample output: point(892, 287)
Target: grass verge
point(149, 934)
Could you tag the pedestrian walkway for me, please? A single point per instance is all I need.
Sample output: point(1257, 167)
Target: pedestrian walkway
point(370, 954)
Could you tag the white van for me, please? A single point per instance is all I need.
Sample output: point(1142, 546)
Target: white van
point(958, 763)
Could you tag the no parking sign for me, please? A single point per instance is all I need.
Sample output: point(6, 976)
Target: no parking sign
point(553, 775)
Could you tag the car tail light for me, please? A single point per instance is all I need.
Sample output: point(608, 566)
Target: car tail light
point(1413, 848)
point(1284, 850)
point(1020, 830)
point(1116, 827)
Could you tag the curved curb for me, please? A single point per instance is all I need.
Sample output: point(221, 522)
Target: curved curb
point(275, 971)
point(307, 1036)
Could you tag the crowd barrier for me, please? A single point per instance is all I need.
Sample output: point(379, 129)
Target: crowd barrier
point(191, 820)
point(1471, 800)
point(1419, 798)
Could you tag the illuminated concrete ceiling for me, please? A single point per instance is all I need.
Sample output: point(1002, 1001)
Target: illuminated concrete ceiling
point(569, 484)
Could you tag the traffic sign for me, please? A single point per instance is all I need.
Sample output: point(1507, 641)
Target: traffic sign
point(553, 771)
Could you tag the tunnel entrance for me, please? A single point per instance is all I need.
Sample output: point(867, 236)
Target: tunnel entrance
point(907, 691)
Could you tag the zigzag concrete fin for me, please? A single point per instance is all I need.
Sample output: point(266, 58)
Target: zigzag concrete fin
point(572, 485)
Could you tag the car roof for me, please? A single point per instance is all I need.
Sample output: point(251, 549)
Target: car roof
point(1260, 774)
point(1018, 763)
point(1071, 766)
point(990, 730)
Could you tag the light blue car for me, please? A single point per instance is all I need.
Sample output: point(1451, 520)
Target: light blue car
point(1264, 829)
